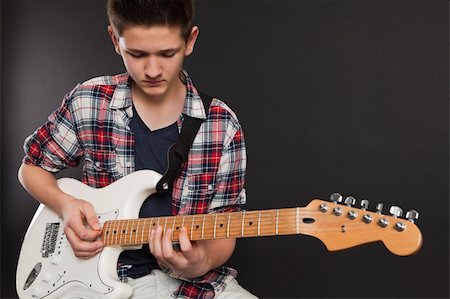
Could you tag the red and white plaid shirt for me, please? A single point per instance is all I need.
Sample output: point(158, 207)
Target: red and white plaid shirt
point(91, 126)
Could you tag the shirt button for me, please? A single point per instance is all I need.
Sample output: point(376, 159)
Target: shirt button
point(210, 187)
point(97, 164)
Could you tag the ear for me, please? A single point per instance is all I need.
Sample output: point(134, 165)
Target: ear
point(114, 39)
point(191, 41)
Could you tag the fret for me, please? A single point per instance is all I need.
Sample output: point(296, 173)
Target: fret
point(203, 227)
point(228, 225)
point(105, 233)
point(276, 224)
point(192, 227)
point(142, 228)
point(165, 224)
point(122, 231)
point(268, 224)
point(173, 226)
point(259, 223)
point(115, 232)
point(242, 225)
point(215, 226)
point(138, 222)
point(126, 232)
point(251, 229)
point(131, 232)
point(297, 221)
point(221, 225)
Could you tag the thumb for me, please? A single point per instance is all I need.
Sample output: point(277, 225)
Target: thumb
point(91, 217)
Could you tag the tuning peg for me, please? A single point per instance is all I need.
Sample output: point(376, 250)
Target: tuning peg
point(396, 211)
point(350, 201)
point(364, 204)
point(412, 215)
point(336, 197)
point(379, 208)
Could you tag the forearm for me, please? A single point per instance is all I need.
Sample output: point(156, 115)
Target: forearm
point(42, 185)
point(218, 252)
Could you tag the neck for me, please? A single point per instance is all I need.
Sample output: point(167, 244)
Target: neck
point(160, 111)
point(206, 226)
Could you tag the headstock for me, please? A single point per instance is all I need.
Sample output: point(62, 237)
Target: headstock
point(340, 225)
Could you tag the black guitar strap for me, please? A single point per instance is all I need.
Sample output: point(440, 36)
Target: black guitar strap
point(178, 152)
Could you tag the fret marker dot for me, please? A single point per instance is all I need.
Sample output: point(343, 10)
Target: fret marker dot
point(197, 226)
point(221, 225)
point(250, 223)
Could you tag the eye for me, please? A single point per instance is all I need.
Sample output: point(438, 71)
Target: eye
point(168, 54)
point(136, 55)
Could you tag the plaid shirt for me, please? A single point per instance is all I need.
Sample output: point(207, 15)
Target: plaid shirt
point(92, 125)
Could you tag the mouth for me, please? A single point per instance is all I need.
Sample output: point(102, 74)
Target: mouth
point(152, 82)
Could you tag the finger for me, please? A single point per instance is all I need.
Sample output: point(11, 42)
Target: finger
point(80, 247)
point(91, 217)
point(185, 243)
point(167, 247)
point(155, 242)
point(84, 233)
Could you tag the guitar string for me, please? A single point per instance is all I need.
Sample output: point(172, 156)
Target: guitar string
point(266, 226)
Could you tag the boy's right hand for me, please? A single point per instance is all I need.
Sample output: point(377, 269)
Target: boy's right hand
point(82, 228)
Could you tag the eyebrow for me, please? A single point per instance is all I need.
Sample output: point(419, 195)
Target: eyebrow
point(137, 51)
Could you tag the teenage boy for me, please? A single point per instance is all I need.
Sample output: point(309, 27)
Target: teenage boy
point(119, 124)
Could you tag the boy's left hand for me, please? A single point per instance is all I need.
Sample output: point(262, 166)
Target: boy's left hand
point(190, 262)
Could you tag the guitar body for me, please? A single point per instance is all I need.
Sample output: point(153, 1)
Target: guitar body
point(47, 266)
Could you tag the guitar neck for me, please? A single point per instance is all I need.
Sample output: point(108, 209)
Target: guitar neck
point(205, 227)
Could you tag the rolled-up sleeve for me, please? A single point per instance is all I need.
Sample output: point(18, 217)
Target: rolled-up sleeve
point(230, 192)
point(54, 146)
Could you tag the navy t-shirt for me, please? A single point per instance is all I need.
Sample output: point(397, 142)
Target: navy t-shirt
point(150, 153)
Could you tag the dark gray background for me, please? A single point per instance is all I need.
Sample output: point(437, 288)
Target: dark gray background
point(346, 96)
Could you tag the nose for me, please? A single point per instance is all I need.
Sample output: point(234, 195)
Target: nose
point(152, 68)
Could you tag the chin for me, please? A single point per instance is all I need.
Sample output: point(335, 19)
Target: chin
point(154, 91)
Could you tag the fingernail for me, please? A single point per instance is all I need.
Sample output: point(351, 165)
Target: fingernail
point(100, 245)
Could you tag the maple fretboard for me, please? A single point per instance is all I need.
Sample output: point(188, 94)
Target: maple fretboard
point(205, 227)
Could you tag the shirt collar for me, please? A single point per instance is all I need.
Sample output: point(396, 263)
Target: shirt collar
point(121, 98)
point(193, 104)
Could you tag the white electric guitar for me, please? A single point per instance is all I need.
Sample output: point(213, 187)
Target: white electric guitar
point(47, 266)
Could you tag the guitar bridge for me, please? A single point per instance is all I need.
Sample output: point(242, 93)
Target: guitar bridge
point(49, 241)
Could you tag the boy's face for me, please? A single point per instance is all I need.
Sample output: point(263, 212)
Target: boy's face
point(153, 56)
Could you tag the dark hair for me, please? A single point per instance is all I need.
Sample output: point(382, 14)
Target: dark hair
point(174, 13)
